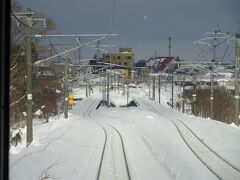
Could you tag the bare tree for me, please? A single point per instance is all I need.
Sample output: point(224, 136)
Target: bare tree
point(223, 104)
point(18, 64)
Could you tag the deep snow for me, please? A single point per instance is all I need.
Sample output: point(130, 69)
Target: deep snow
point(71, 148)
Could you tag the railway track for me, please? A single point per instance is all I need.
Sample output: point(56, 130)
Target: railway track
point(108, 151)
point(220, 167)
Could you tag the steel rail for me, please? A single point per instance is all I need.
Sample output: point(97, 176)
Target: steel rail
point(124, 151)
point(153, 109)
point(88, 112)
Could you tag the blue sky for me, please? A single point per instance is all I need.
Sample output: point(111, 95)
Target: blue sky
point(145, 25)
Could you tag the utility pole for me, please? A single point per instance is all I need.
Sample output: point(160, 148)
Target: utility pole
point(183, 96)
point(86, 86)
point(212, 76)
point(66, 85)
point(212, 37)
point(127, 93)
point(172, 91)
point(98, 50)
point(149, 85)
point(29, 18)
point(118, 79)
point(236, 92)
point(108, 103)
point(104, 91)
point(169, 46)
point(153, 87)
point(79, 51)
point(237, 79)
point(211, 96)
point(159, 88)
point(212, 81)
point(194, 96)
point(29, 78)
point(115, 80)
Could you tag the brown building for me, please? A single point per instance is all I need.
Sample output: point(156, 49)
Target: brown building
point(125, 57)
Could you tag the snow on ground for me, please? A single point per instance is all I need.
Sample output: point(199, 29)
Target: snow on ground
point(63, 149)
point(71, 148)
point(161, 141)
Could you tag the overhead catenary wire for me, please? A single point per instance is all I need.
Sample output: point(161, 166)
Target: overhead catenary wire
point(36, 30)
point(19, 20)
point(225, 53)
point(15, 58)
point(220, 43)
point(52, 46)
point(23, 23)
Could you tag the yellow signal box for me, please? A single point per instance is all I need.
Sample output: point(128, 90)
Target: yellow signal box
point(70, 99)
point(126, 73)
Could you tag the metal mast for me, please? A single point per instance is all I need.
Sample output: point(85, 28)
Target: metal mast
point(237, 79)
point(66, 85)
point(29, 78)
point(169, 46)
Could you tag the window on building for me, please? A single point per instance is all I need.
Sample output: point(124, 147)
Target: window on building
point(106, 57)
point(119, 57)
point(125, 63)
point(129, 57)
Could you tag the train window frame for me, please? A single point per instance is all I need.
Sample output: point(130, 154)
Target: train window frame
point(4, 55)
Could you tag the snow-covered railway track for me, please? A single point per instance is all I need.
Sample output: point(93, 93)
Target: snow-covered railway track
point(124, 152)
point(113, 162)
point(87, 114)
point(220, 167)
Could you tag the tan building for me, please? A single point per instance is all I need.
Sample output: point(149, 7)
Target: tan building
point(125, 57)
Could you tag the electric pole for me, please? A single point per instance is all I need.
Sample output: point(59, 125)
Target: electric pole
point(86, 86)
point(66, 85)
point(108, 102)
point(212, 75)
point(159, 88)
point(194, 96)
point(29, 78)
point(211, 96)
point(29, 18)
point(236, 91)
point(213, 38)
point(172, 91)
point(153, 87)
point(79, 52)
point(118, 79)
point(183, 96)
point(98, 50)
point(127, 93)
point(237, 79)
point(212, 81)
point(115, 80)
point(169, 46)
point(149, 85)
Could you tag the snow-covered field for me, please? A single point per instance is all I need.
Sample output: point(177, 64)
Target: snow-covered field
point(150, 141)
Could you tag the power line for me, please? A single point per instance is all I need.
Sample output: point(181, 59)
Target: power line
point(19, 20)
point(23, 23)
point(220, 43)
point(225, 52)
point(51, 44)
